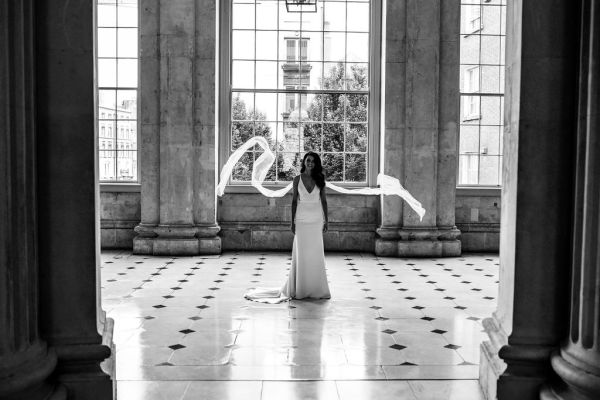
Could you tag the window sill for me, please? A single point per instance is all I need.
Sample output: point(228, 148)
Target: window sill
point(472, 117)
point(481, 191)
point(120, 187)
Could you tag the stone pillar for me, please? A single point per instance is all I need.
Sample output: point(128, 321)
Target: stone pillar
point(537, 201)
point(26, 362)
point(68, 197)
point(177, 86)
point(578, 361)
point(421, 126)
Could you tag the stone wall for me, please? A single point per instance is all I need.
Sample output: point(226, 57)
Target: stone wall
point(478, 219)
point(250, 221)
point(119, 213)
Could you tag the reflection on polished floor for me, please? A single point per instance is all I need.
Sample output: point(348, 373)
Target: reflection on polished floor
point(394, 328)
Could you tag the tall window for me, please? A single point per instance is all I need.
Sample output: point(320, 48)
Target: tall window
point(117, 51)
point(304, 81)
point(482, 92)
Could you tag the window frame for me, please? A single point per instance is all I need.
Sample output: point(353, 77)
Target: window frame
point(114, 119)
point(468, 93)
point(224, 96)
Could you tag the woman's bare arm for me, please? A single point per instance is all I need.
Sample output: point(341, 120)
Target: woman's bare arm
point(294, 203)
point(324, 205)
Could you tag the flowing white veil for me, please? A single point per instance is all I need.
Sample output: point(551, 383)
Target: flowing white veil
point(388, 185)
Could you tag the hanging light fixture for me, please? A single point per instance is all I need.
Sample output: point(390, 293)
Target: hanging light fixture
point(301, 5)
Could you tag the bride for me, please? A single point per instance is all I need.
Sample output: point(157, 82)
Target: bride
point(307, 277)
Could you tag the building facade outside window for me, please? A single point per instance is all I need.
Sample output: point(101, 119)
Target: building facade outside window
point(304, 81)
point(482, 43)
point(117, 64)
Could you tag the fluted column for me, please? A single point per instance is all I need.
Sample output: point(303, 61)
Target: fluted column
point(71, 320)
point(177, 82)
point(537, 201)
point(421, 126)
point(25, 360)
point(578, 361)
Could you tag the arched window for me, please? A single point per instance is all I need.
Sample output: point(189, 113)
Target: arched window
point(305, 81)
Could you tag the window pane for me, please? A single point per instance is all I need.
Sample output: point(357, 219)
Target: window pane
point(358, 47)
point(266, 106)
point(314, 107)
point(107, 165)
point(243, 15)
point(335, 16)
point(358, 76)
point(128, 42)
point(489, 170)
point(107, 72)
point(240, 133)
point(333, 137)
point(358, 17)
point(490, 79)
point(242, 45)
point(125, 170)
point(313, 21)
point(127, 13)
point(127, 102)
point(266, 45)
point(490, 110)
point(469, 49)
point(333, 107)
point(266, 15)
point(356, 108)
point(490, 50)
point(335, 45)
point(356, 168)
point(242, 74)
point(469, 139)
point(288, 166)
point(489, 142)
point(491, 19)
point(106, 103)
point(468, 169)
point(107, 42)
point(266, 75)
point(314, 46)
point(333, 166)
point(127, 70)
point(356, 137)
point(242, 105)
point(242, 171)
point(311, 136)
point(107, 15)
point(333, 76)
point(313, 76)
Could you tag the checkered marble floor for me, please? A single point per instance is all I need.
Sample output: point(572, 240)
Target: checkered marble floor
point(394, 328)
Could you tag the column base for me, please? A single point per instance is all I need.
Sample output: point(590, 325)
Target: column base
point(491, 365)
point(436, 242)
point(79, 370)
point(173, 240)
point(528, 368)
point(576, 383)
point(27, 375)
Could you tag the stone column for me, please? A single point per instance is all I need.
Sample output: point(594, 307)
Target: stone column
point(67, 197)
point(578, 361)
point(421, 126)
point(537, 201)
point(25, 360)
point(177, 86)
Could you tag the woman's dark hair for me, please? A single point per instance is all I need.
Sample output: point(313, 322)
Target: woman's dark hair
point(317, 171)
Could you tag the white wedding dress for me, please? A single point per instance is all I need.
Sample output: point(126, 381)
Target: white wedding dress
point(307, 277)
